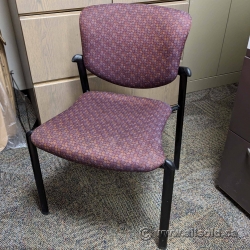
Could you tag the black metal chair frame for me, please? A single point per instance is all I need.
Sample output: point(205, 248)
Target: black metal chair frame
point(169, 166)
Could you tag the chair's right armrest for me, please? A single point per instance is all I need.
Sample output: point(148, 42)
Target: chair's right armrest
point(82, 72)
point(77, 58)
point(184, 71)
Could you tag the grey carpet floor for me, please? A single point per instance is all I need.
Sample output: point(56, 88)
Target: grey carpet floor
point(95, 209)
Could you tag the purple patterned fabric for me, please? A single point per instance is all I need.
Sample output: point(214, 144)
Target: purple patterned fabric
point(107, 130)
point(133, 45)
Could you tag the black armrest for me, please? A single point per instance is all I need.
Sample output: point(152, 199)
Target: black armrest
point(82, 72)
point(77, 58)
point(184, 71)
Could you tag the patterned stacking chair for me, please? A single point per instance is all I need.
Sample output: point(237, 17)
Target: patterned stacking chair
point(131, 45)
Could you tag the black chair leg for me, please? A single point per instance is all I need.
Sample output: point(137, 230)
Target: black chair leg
point(37, 173)
point(168, 183)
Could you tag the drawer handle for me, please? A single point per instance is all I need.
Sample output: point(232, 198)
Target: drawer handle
point(248, 151)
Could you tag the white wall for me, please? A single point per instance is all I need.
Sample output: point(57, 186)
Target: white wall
point(8, 34)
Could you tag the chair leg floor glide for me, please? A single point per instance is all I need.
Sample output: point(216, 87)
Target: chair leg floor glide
point(167, 192)
point(37, 174)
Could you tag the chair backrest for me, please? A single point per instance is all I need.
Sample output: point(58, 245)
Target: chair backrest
point(133, 45)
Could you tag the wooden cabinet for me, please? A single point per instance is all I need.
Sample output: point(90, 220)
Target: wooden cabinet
point(55, 97)
point(33, 6)
point(234, 177)
point(51, 40)
point(180, 5)
point(48, 35)
point(168, 92)
point(240, 120)
point(130, 1)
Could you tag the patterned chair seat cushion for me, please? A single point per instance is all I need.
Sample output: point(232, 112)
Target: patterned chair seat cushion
point(107, 130)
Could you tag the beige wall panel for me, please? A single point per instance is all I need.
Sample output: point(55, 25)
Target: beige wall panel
point(236, 38)
point(168, 93)
point(212, 82)
point(55, 97)
point(204, 44)
point(28, 6)
point(51, 41)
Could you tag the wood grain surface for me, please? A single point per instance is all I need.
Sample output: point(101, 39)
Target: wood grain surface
point(33, 6)
point(51, 41)
point(56, 96)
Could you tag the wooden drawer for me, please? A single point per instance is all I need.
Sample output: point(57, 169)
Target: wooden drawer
point(179, 5)
point(240, 121)
point(130, 1)
point(56, 96)
point(33, 6)
point(168, 93)
point(174, 4)
point(51, 40)
point(234, 177)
